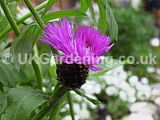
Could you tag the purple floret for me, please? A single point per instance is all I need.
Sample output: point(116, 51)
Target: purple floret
point(85, 46)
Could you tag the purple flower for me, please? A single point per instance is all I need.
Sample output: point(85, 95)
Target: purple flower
point(83, 47)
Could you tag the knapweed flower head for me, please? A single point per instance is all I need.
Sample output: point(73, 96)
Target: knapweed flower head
point(82, 48)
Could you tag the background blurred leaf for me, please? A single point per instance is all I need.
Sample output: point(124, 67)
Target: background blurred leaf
point(62, 13)
point(22, 101)
point(24, 44)
point(117, 108)
point(128, 19)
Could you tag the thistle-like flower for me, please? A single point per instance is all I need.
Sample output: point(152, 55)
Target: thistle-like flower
point(81, 50)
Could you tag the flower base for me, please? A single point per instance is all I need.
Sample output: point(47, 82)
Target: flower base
point(72, 75)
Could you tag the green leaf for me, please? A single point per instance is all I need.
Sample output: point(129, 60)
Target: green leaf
point(49, 5)
point(8, 75)
point(113, 27)
point(4, 24)
point(8, 1)
point(22, 47)
point(22, 101)
point(91, 9)
point(62, 13)
point(83, 6)
point(106, 67)
point(108, 18)
point(102, 24)
point(92, 100)
point(3, 102)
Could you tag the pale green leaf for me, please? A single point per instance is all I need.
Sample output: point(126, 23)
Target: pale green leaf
point(8, 75)
point(62, 13)
point(3, 102)
point(22, 47)
point(22, 101)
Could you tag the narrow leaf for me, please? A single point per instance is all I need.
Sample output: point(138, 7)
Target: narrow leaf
point(106, 67)
point(108, 18)
point(113, 27)
point(91, 9)
point(92, 100)
point(62, 13)
point(49, 5)
point(8, 1)
point(83, 6)
point(102, 24)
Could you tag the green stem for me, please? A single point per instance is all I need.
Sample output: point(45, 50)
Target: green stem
point(58, 93)
point(38, 74)
point(55, 111)
point(9, 17)
point(70, 105)
point(23, 18)
point(35, 14)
